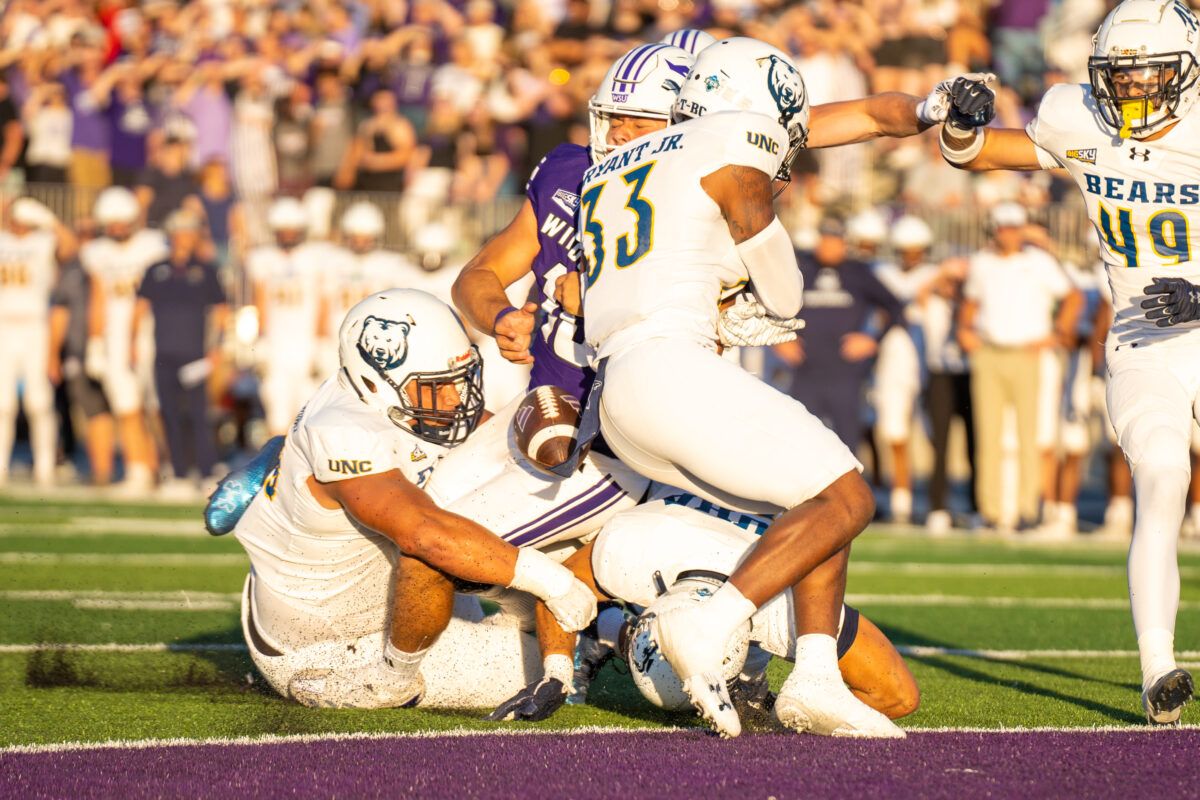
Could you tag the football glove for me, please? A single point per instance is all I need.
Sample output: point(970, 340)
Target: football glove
point(972, 103)
point(936, 107)
point(747, 323)
point(1172, 301)
point(534, 703)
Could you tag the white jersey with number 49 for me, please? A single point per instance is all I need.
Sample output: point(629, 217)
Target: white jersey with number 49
point(658, 251)
point(1143, 197)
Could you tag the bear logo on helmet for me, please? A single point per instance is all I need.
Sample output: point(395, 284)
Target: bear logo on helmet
point(785, 84)
point(384, 342)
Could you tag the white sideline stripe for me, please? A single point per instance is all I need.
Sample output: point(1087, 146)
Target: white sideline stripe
point(1106, 603)
point(938, 568)
point(466, 733)
point(908, 650)
point(127, 559)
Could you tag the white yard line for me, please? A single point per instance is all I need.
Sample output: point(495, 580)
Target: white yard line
point(127, 559)
point(1025, 655)
point(107, 526)
point(130, 601)
point(113, 647)
point(308, 738)
point(973, 569)
point(968, 601)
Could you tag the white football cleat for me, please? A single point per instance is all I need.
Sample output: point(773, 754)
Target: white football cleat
point(1166, 697)
point(824, 706)
point(362, 687)
point(697, 656)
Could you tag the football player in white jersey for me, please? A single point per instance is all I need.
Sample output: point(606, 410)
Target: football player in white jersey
point(32, 246)
point(651, 309)
point(287, 293)
point(116, 262)
point(898, 369)
point(1128, 138)
point(357, 268)
point(352, 562)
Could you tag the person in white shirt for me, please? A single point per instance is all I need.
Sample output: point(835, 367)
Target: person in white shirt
point(32, 246)
point(1007, 318)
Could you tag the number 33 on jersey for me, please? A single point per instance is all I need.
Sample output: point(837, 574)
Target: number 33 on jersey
point(657, 252)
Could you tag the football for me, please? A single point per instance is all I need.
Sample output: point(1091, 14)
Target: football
point(546, 425)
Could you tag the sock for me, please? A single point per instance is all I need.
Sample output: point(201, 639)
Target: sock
point(559, 666)
point(405, 665)
point(816, 655)
point(43, 436)
point(902, 501)
point(608, 626)
point(727, 609)
point(1157, 651)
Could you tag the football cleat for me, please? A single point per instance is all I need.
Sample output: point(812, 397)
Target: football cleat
point(1166, 697)
point(363, 687)
point(710, 697)
point(753, 700)
point(238, 489)
point(824, 706)
point(698, 657)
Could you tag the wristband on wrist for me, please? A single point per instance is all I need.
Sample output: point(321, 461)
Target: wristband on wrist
point(500, 316)
point(967, 154)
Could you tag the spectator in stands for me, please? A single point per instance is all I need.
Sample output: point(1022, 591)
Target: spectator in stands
point(90, 135)
point(167, 181)
point(222, 213)
point(68, 345)
point(1007, 318)
point(187, 303)
point(49, 122)
point(12, 133)
point(832, 360)
point(292, 137)
point(120, 92)
point(381, 149)
point(332, 127)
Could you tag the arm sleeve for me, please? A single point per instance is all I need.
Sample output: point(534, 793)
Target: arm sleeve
point(771, 264)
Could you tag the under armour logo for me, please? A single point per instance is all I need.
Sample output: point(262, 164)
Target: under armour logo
point(722, 703)
point(1144, 155)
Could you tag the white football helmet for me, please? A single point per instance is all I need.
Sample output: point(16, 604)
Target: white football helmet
point(743, 74)
point(116, 205)
point(641, 83)
point(911, 233)
point(404, 338)
point(691, 39)
point(287, 214)
point(363, 219)
point(651, 673)
point(1143, 68)
point(866, 227)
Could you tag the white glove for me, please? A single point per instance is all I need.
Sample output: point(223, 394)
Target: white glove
point(95, 359)
point(747, 323)
point(934, 108)
point(569, 600)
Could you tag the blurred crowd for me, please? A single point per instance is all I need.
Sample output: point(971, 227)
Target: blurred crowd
point(193, 158)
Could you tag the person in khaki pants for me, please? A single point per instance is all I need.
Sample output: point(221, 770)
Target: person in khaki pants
point(1007, 318)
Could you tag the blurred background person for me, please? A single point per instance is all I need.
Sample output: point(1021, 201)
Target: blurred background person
point(380, 150)
point(69, 306)
point(168, 180)
point(48, 123)
point(831, 361)
point(1007, 319)
point(898, 372)
point(32, 245)
point(115, 262)
point(185, 300)
point(286, 280)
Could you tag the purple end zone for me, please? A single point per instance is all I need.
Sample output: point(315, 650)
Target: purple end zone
point(692, 764)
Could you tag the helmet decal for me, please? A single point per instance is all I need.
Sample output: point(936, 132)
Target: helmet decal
point(785, 85)
point(384, 342)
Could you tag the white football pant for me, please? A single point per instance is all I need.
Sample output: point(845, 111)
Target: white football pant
point(24, 363)
point(897, 385)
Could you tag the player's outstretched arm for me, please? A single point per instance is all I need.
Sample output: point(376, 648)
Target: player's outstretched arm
point(746, 199)
point(852, 121)
point(478, 291)
point(396, 508)
point(1000, 148)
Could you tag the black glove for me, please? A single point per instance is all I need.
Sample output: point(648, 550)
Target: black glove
point(972, 104)
point(534, 703)
point(1172, 301)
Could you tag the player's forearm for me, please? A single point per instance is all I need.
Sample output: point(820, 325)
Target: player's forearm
point(552, 639)
point(889, 114)
point(479, 295)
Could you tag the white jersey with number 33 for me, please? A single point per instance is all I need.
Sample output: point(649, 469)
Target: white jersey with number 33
point(1143, 197)
point(658, 252)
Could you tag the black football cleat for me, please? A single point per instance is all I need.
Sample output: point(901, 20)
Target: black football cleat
point(1167, 696)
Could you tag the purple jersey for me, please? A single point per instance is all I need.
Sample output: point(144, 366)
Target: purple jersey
point(558, 347)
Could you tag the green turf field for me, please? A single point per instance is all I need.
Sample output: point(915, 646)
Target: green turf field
point(1046, 627)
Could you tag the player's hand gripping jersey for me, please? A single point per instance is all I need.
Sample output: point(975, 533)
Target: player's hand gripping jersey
point(1143, 197)
point(659, 254)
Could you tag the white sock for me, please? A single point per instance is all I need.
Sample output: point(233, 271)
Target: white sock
point(559, 666)
point(43, 435)
point(608, 627)
point(902, 501)
point(728, 609)
point(405, 665)
point(1157, 651)
point(816, 655)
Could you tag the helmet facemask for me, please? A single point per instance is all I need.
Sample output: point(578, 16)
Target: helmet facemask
point(1164, 78)
point(447, 427)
